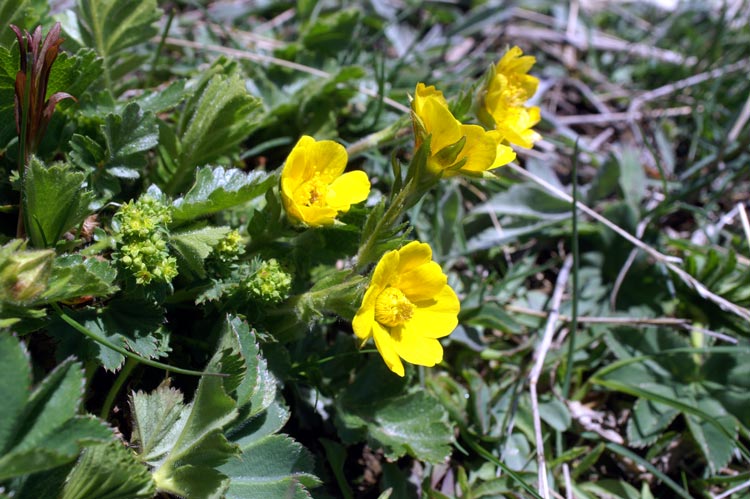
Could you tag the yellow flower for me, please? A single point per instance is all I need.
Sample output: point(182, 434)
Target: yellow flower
point(314, 187)
point(508, 89)
point(454, 147)
point(407, 306)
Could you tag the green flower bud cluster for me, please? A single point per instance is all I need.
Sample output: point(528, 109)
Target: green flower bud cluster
point(270, 283)
point(143, 249)
point(229, 248)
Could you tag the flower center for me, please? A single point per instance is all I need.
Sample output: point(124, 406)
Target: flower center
point(393, 308)
point(312, 193)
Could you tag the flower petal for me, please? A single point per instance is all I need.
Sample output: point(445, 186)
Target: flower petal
point(363, 321)
point(329, 159)
point(417, 349)
point(387, 349)
point(480, 150)
point(413, 255)
point(423, 282)
point(435, 318)
point(386, 271)
point(348, 189)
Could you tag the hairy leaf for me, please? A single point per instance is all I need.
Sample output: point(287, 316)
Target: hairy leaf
point(54, 201)
point(41, 428)
point(108, 472)
point(73, 276)
point(216, 119)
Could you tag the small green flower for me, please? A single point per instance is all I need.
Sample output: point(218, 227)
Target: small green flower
point(141, 227)
point(230, 247)
point(270, 283)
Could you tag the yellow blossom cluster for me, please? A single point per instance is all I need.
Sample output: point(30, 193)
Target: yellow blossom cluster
point(408, 304)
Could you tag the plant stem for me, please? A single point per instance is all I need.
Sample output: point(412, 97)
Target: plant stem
point(119, 381)
point(374, 139)
point(86, 332)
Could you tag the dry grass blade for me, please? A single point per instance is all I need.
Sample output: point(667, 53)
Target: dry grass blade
point(536, 371)
point(669, 261)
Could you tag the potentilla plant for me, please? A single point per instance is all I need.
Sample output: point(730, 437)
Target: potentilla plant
point(208, 312)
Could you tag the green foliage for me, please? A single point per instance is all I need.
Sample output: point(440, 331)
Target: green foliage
point(153, 228)
point(108, 471)
point(54, 201)
point(216, 118)
point(402, 423)
point(217, 189)
point(41, 428)
point(112, 27)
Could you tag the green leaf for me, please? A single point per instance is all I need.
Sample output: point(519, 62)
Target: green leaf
point(716, 445)
point(218, 189)
point(216, 119)
point(191, 434)
point(118, 323)
point(128, 136)
point(74, 73)
point(8, 68)
point(15, 378)
point(373, 407)
point(648, 420)
point(58, 446)
point(257, 389)
point(73, 276)
point(15, 12)
point(194, 246)
point(274, 466)
point(108, 472)
point(113, 26)
point(54, 201)
point(330, 33)
point(41, 430)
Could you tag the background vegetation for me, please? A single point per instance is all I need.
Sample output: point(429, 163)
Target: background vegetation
point(602, 350)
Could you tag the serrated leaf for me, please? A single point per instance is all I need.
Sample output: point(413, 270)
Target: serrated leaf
point(74, 73)
point(218, 189)
point(274, 466)
point(216, 120)
point(113, 26)
point(157, 419)
point(15, 378)
point(194, 438)
point(194, 246)
point(647, 421)
point(402, 423)
point(117, 322)
point(60, 445)
point(128, 135)
point(716, 445)
point(73, 276)
point(257, 389)
point(42, 430)
point(108, 472)
point(54, 201)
